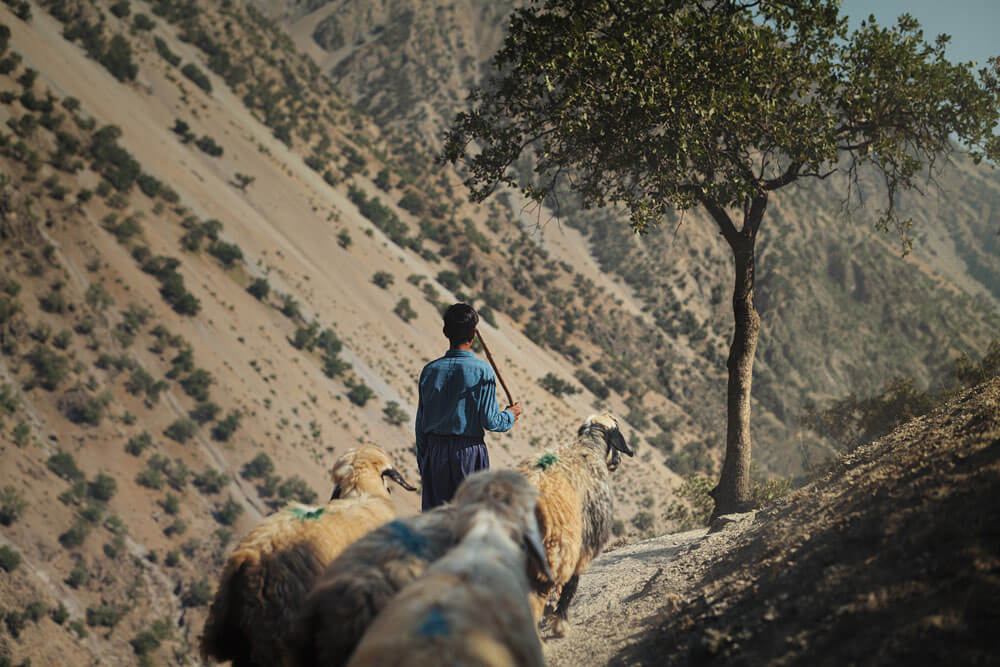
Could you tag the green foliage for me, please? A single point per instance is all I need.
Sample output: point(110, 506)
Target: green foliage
point(207, 145)
point(82, 408)
point(229, 512)
point(104, 615)
point(383, 218)
point(196, 385)
point(198, 77)
point(696, 509)
point(181, 430)
point(59, 615)
point(64, 465)
point(102, 488)
point(224, 428)
point(12, 505)
point(144, 643)
point(383, 279)
point(10, 559)
point(50, 367)
point(204, 412)
point(259, 289)
point(165, 52)
point(143, 23)
point(296, 489)
point(404, 310)
point(198, 594)
point(137, 444)
point(75, 535)
point(113, 162)
point(210, 481)
point(557, 386)
point(394, 414)
point(360, 393)
point(260, 466)
point(227, 253)
point(643, 521)
point(122, 9)
point(593, 384)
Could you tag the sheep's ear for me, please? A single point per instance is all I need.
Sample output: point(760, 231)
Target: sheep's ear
point(394, 475)
point(336, 492)
point(617, 441)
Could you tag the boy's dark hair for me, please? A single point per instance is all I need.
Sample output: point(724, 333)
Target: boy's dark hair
point(460, 322)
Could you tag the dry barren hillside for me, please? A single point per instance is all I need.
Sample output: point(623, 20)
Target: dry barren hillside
point(209, 292)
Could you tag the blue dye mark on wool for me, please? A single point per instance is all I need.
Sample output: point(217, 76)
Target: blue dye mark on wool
point(303, 514)
point(435, 625)
point(413, 542)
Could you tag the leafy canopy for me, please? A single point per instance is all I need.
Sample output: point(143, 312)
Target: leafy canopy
point(668, 104)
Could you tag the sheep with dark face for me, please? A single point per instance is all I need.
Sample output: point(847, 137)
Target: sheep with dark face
point(470, 608)
point(364, 578)
point(269, 574)
point(575, 510)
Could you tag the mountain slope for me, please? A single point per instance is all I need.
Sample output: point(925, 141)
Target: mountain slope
point(866, 564)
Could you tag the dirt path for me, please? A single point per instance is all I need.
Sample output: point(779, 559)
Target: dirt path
point(625, 589)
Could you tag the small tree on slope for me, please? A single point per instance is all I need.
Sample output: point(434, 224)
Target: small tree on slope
point(675, 104)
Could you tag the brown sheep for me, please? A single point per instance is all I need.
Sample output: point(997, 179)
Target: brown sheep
point(575, 510)
point(269, 574)
point(361, 581)
point(471, 605)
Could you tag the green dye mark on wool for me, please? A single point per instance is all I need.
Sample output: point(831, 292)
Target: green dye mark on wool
point(546, 460)
point(304, 514)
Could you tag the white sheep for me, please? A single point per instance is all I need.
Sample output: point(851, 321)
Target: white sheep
point(470, 608)
point(361, 581)
point(268, 575)
point(575, 510)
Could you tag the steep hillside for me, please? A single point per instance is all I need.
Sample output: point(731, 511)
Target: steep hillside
point(841, 310)
point(209, 291)
point(891, 557)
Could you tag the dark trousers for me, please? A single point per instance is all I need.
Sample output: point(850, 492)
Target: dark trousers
point(448, 460)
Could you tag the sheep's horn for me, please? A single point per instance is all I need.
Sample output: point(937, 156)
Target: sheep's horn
point(536, 550)
point(336, 492)
point(616, 458)
point(394, 475)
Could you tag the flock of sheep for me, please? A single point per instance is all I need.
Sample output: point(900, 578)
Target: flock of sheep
point(463, 584)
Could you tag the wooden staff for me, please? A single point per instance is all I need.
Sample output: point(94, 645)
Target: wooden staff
point(489, 356)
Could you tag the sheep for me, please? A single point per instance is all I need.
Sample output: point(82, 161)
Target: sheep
point(574, 509)
point(268, 575)
point(359, 583)
point(471, 605)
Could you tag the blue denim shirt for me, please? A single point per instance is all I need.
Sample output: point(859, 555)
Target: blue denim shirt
point(458, 397)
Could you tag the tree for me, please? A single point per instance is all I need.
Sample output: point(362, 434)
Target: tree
point(661, 106)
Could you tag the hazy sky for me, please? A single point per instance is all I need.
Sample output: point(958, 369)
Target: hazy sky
point(974, 25)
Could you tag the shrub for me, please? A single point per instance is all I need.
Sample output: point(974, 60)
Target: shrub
point(295, 489)
point(557, 386)
point(198, 77)
point(204, 412)
point(75, 535)
point(591, 382)
point(117, 59)
point(207, 145)
point(404, 310)
point(50, 367)
point(64, 465)
point(35, 610)
point(229, 512)
point(15, 622)
point(10, 560)
point(181, 430)
point(197, 383)
point(53, 302)
point(59, 614)
point(211, 481)
point(344, 239)
point(642, 521)
point(143, 23)
point(260, 466)
point(394, 414)
point(137, 444)
point(695, 490)
point(12, 505)
point(104, 615)
point(144, 643)
point(121, 9)
point(165, 52)
point(102, 488)
point(199, 593)
point(360, 393)
point(259, 289)
point(224, 428)
point(82, 408)
point(383, 279)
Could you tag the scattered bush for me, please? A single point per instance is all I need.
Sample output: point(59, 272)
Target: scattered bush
point(295, 489)
point(50, 368)
point(204, 412)
point(260, 466)
point(383, 279)
point(229, 512)
point(207, 145)
point(557, 386)
point(75, 535)
point(198, 77)
point(404, 310)
point(199, 593)
point(10, 560)
point(211, 481)
point(64, 465)
point(224, 428)
point(181, 430)
point(104, 615)
point(12, 505)
point(165, 52)
point(227, 253)
point(394, 414)
point(360, 393)
point(259, 289)
point(143, 23)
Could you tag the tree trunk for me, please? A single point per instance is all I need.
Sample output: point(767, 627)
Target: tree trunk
point(732, 494)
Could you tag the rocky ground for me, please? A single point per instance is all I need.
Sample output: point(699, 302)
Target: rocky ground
point(891, 556)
